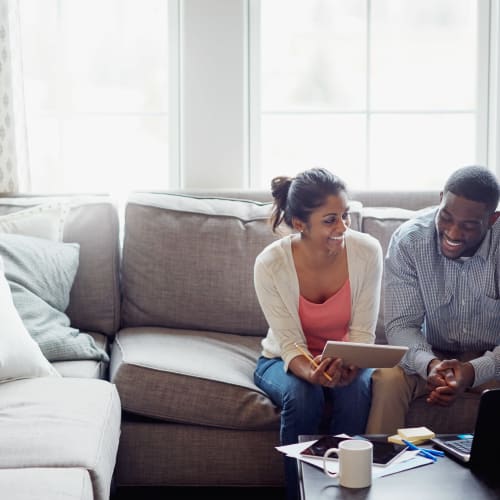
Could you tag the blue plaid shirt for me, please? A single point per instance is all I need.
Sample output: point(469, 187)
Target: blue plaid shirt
point(450, 305)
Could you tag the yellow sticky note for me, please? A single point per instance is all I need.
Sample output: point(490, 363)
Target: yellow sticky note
point(397, 439)
point(413, 433)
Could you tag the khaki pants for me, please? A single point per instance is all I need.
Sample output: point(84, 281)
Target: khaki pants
point(392, 393)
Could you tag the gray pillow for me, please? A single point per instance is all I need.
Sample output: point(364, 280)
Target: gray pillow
point(40, 274)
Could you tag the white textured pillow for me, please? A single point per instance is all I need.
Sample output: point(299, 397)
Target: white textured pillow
point(20, 356)
point(42, 221)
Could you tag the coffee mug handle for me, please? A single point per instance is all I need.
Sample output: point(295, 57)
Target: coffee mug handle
point(329, 452)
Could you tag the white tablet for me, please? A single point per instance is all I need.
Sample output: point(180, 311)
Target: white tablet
point(364, 355)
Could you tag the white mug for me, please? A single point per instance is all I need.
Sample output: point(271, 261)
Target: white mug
point(355, 463)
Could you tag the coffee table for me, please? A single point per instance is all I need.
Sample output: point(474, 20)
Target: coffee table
point(444, 480)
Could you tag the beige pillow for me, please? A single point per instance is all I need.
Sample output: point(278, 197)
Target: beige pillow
point(20, 356)
point(42, 221)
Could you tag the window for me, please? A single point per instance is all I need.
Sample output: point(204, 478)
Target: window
point(96, 94)
point(225, 94)
point(385, 92)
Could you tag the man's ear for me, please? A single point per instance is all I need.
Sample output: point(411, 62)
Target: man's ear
point(493, 218)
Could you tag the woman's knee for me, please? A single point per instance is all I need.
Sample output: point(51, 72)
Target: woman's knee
point(364, 381)
point(304, 398)
point(305, 395)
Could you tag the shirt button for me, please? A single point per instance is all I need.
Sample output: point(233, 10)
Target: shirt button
point(464, 330)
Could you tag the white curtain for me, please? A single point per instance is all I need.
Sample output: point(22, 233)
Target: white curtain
point(14, 169)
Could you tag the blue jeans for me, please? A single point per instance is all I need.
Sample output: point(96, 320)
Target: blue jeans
point(302, 407)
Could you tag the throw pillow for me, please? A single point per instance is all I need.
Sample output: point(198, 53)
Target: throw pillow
point(20, 356)
point(44, 221)
point(40, 274)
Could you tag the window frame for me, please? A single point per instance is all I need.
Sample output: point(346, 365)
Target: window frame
point(487, 104)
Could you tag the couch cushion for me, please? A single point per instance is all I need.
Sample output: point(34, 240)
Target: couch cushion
point(171, 454)
point(65, 483)
point(86, 368)
point(193, 377)
point(177, 259)
point(61, 422)
point(188, 262)
point(92, 222)
point(381, 222)
point(95, 297)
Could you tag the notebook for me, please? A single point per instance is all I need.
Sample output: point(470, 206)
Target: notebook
point(479, 450)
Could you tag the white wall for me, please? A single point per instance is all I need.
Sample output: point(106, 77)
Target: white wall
point(213, 64)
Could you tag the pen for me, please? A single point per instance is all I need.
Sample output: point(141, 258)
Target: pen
point(432, 454)
point(311, 360)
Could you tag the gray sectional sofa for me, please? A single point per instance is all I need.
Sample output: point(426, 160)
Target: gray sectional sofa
point(168, 293)
point(59, 435)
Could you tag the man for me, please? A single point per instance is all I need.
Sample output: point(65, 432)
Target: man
point(441, 287)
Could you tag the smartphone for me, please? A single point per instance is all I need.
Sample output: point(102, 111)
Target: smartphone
point(384, 453)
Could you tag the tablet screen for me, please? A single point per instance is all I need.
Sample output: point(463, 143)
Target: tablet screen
point(383, 452)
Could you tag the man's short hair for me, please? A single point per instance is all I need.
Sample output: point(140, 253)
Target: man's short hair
point(475, 183)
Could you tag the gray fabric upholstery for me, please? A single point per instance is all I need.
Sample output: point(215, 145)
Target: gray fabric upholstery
point(40, 274)
point(95, 297)
point(86, 368)
point(381, 222)
point(92, 222)
point(59, 422)
point(410, 200)
point(172, 454)
point(179, 250)
point(65, 483)
point(194, 377)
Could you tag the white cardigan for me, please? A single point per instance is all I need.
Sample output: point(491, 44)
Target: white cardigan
point(277, 287)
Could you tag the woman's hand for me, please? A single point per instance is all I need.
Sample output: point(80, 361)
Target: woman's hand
point(349, 373)
point(329, 366)
point(327, 373)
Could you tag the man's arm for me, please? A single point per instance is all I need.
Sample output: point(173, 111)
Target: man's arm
point(404, 308)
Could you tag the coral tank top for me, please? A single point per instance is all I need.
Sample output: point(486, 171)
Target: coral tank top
point(327, 321)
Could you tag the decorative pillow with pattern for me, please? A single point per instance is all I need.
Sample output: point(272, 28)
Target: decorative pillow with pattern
point(20, 356)
point(40, 275)
point(44, 221)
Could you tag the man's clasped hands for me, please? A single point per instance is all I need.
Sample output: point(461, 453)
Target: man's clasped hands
point(447, 379)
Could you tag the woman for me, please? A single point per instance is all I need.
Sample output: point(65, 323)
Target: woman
point(320, 283)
